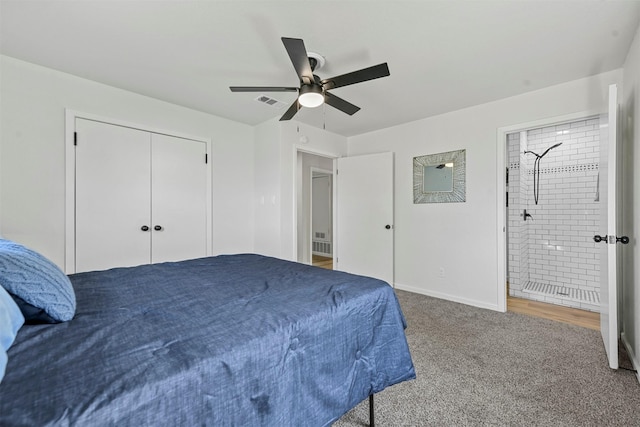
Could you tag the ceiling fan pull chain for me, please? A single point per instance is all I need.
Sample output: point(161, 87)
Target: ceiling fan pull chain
point(324, 117)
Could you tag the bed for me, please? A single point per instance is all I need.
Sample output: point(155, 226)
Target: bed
point(232, 340)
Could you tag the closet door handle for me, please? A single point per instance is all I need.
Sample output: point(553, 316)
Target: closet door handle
point(157, 227)
point(144, 228)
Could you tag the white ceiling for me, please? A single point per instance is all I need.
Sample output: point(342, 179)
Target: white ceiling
point(442, 55)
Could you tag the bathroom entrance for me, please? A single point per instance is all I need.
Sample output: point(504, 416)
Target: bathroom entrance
point(553, 214)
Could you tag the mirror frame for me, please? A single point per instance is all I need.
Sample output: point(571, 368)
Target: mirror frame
point(458, 158)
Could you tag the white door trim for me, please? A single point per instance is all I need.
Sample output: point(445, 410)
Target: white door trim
point(501, 164)
point(70, 177)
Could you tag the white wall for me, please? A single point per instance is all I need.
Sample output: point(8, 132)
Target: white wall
point(630, 119)
point(32, 173)
point(267, 239)
point(462, 237)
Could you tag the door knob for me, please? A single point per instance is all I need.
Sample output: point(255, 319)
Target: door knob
point(144, 228)
point(388, 227)
point(157, 227)
point(624, 240)
point(597, 238)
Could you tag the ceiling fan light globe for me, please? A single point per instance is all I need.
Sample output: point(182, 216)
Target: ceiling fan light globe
point(311, 100)
point(311, 96)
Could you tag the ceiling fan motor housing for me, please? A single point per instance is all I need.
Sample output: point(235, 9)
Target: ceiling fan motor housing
point(316, 61)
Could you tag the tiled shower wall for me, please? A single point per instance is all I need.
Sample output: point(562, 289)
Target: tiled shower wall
point(556, 246)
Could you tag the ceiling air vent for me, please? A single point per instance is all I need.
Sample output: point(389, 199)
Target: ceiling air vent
point(270, 101)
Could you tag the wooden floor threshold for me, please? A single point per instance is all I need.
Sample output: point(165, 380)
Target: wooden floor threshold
point(322, 261)
point(572, 316)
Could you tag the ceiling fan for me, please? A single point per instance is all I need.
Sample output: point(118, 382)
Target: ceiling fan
point(314, 92)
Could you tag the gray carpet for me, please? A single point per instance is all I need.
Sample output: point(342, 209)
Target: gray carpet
point(478, 367)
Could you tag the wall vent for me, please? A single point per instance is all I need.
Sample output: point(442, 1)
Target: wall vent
point(322, 248)
point(272, 102)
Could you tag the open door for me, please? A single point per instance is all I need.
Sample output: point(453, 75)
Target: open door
point(608, 226)
point(364, 215)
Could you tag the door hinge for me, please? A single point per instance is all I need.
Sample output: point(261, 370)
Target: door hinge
point(206, 157)
point(75, 138)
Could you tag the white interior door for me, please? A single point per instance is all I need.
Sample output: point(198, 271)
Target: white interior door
point(608, 228)
point(364, 215)
point(112, 196)
point(178, 199)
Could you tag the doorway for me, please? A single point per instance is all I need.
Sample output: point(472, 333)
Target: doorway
point(321, 220)
point(551, 188)
point(515, 184)
point(315, 213)
point(553, 213)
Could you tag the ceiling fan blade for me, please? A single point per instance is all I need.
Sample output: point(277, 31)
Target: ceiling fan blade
point(293, 109)
point(262, 89)
point(299, 58)
point(375, 72)
point(340, 104)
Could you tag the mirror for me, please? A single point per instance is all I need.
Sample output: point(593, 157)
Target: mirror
point(439, 178)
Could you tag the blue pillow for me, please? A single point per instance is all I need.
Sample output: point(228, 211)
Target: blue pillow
point(11, 320)
point(37, 282)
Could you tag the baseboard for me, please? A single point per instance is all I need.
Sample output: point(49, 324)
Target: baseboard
point(324, 254)
point(632, 356)
point(447, 297)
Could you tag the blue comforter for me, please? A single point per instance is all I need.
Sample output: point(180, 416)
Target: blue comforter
point(237, 340)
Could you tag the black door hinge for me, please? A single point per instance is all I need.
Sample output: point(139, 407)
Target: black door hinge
point(206, 157)
point(75, 138)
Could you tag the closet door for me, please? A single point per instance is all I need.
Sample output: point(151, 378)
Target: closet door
point(178, 199)
point(113, 196)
